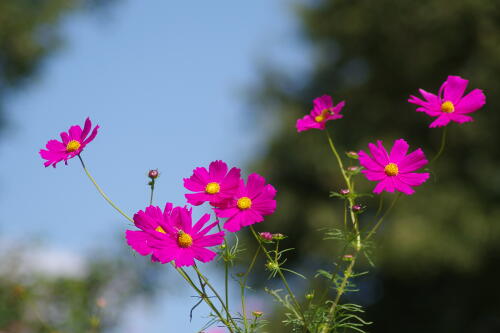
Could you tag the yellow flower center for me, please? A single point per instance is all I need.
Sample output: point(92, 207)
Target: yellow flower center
point(244, 203)
point(184, 240)
point(391, 169)
point(72, 146)
point(320, 118)
point(447, 107)
point(160, 229)
point(212, 188)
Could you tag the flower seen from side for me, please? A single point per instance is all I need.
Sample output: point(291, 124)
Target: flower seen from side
point(72, 144)
point(323, 111)
point(450, 104)
point(252, 202)
point(169, 235)
point(395, 170)
point(214, 185)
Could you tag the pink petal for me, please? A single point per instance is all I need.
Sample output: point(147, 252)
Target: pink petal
point(323, 102)
point(197, 199)
point(367, 162)
point(138, 240)
point(471, 102)
point(92, 136)
point(210, 240)
point(398, 151)
point(86, 128)
point(402, 187)
point(307, 123)
point(234, 223)
point(264, 207)
point(441, 121)
point(206, 229)
point(227, 212)
point(460, 118)
point(75, 133)
point(412, 161)
point(185, 257)
point(454, 89)
point(255, 184)
point(201, 222)
point(413, 179)
point(217, 170)
point(65, 138)
point(385, 185)
point(203, 255)
point(374, 176)
point(379, 153)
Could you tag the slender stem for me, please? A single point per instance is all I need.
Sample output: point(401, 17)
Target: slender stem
point(340, 292)
point(226, 271)
point(230, 319)
point(152, 184)
point(280, 273)
point(441, 148)
point(379, 222)
point(204, 297)
point(102, 193)
point(243, 287)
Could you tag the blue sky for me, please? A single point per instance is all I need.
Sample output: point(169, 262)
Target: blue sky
point(167, 83)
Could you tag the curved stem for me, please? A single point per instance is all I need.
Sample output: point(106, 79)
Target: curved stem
point(230, 319)
point(102, 193)
point(243, 287)
point(441, 148)
point(379, 222)
point(282, 277)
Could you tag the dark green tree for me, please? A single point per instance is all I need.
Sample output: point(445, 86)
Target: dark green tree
point(436, 253)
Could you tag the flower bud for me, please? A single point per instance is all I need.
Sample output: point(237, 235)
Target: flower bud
point(257, 314)
point(348, 257)
point(310, 296)
point(352, 154)
point(266, 235)
point(279, 236)
point(153, 174)
point(344, 191)
point(356, 208)
point(353, 168)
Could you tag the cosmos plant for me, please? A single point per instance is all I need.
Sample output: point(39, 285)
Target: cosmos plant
point(180, 237)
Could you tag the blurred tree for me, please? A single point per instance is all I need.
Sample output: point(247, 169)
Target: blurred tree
point(29, 33)
point(436, 257)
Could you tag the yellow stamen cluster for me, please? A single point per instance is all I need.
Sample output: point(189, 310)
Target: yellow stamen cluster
point(72, 146)
point(184, 240)
point(447, 107)
point(160, 229)
point(244, 203)
point(320, 118)
point(212, 188)
point(391, 169)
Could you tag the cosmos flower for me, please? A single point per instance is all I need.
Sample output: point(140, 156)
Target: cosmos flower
point(252, 202)
point(394, 171)
point(213, 185)
point(450, 104)
point(170, 236)
point(323, 111)
point(72, 144)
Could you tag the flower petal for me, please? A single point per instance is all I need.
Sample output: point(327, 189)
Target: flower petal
point(454, 89)
point(471, 102)
point(398, 151)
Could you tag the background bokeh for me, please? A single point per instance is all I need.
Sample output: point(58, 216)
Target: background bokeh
point(177, 85)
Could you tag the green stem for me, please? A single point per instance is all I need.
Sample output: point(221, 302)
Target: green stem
point(205, 298)
point(230, 319)
point(152, 191)
point(441, 148)
point(379, 222)
point(283, 279)
point(102, 193)
point(243, 287)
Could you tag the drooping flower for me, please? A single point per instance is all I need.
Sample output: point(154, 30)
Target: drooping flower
point(323, 111)
point(72, 144)
point(450, 104)
point(394, 171)
point(252, 202)
point(170, 236)
point(214, 185)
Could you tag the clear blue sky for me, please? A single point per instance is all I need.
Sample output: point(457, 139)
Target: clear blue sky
point(166, 81)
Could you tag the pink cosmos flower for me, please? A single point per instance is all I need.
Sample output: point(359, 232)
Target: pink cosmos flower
point(72, 144)
point(450, 104)
point(323, 111)
point(249, 205)
point(214, 185)
point(393, 171)
point(170, 235)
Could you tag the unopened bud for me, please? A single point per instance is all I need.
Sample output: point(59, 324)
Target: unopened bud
point(279, 236)
point(101, 302)
point(153, 174)
point(348, 257)
point(344, 191)
point(266, 235)
point(257, 314)
point(310, 296)
point(357, 208)
point(353, 168)
point(352, 154)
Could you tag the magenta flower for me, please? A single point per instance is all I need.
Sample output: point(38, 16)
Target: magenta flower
point(72, 144)
point(249, 205)
point(323, 111)
point(170, 236)
point(215, 185)
point(393, 171)
point(450, 104)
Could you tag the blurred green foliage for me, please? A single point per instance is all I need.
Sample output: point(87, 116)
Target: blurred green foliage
point(436, 252)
